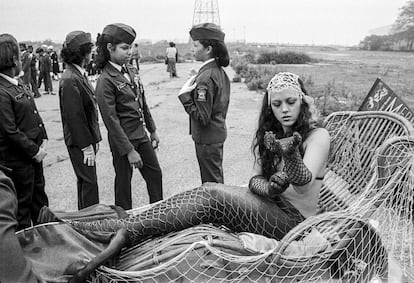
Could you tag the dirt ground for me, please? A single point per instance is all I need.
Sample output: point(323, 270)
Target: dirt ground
point(176, 153)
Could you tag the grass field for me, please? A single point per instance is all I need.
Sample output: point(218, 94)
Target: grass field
point(343, 72)
point(349, 74)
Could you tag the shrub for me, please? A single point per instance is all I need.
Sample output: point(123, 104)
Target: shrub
point(239, 65)
point(149, 59)
point(285, 57)
point(236, 79)
point(333, 97)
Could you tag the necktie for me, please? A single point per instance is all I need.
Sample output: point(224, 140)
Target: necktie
point(125, 73)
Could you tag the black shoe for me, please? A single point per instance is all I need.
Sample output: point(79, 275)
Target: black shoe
point(37, 95)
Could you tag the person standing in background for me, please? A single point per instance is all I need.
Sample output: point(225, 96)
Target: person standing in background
point(55, 63)
point(33, 72)
point(44, 72)
point(135, 56)
point(171, 55)
point(26, 60)
point(205, 98)
point(23, 136)
point(79, 114)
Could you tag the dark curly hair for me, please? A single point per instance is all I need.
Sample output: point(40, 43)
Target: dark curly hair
point(220, 53)
point(268, 122)
point(70, 56)
point(102, 53)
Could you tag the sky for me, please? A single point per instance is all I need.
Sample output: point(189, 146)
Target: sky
point(342, 22)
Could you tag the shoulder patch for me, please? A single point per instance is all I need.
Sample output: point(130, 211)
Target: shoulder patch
point(202, 93)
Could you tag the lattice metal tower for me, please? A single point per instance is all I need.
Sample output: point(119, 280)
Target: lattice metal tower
point(206, 11)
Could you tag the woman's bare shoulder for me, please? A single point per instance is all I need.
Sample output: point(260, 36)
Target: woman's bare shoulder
point(319, 136)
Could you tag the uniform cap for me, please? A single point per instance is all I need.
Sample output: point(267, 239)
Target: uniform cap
point(121, 32)
point(75, 39)
point(207, 31)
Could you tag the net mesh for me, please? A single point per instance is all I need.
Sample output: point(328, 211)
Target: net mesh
point(365, 221)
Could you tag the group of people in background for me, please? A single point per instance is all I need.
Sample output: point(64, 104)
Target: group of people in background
point(40, 66)
point(290, 149)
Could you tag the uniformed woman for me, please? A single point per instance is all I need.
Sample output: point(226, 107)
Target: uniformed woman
point(22, 135)
point(80, 115)
point(126, 115)
point(205, 98)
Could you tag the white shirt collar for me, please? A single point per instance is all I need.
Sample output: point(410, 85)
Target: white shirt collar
point(10, 79)
point(80, 69)
point(118, 67)
point(206, 62)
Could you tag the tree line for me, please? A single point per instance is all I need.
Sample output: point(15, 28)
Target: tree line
point(401, 36)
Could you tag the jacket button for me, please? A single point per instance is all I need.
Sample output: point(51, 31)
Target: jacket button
point(35, 111)
point(40, 125)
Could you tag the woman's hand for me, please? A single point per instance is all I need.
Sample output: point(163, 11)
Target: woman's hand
point(135, 159)
point(188, 86)
point(282, 147)
point(40, 155)
point(289, 146)
point(89, 155)
point(155, 140)
point(278, 182)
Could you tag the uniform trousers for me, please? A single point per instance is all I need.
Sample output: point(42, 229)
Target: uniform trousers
point(29, 182)
point(210, 161)
point(47, 81)
point(151, 172)
point(87, 182)
point(33, 82)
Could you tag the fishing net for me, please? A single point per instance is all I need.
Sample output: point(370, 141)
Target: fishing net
point(354, 244)
point(365, 221)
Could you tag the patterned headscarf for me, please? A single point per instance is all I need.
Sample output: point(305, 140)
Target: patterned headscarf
point(284, 80)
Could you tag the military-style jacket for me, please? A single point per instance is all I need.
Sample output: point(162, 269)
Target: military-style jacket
point(78, 109)
point(123, 108)
point(14, 267)
point(44, 63)
point(21, 128)
point(26, 61)
point(207, 105)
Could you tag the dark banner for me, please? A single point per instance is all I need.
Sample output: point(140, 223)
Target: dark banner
point(382, 98)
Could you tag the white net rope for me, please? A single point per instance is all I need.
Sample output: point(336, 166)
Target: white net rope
point(389, 204)
point(366, 220)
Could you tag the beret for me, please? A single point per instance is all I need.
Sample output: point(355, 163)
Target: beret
point(206, 31)
point(75, 39)
point(121, 32)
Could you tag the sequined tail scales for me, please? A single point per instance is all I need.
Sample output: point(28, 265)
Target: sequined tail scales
point(235, 207)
